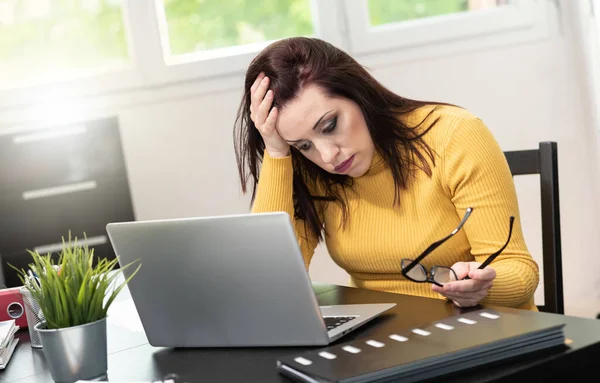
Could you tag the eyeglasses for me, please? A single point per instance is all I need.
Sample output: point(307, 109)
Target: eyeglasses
point(439, 275)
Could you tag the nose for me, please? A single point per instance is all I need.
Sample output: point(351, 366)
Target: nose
point(328, 152)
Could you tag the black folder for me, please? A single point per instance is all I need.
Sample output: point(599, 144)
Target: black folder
point(428, 351)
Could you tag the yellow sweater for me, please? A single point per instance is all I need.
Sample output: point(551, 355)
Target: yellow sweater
point(470, 170)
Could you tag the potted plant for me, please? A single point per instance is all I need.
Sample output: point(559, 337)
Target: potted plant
point(74, 295)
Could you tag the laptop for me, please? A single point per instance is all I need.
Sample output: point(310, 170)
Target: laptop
point(228, 281)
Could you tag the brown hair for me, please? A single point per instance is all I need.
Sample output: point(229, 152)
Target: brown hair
point(294, 63)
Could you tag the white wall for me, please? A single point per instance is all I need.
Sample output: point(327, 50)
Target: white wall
point(585, 32)
point(180, 159)
point(582, 28)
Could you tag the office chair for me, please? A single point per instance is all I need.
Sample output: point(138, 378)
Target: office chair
point(544, 161)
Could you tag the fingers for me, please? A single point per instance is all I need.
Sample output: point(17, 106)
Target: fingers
point(271, 119)
point(264, 109)
point(257, 96)
point(466, 299)
point(487, 274)
point(256, 83)
point(461, 269)
point(468, 287)
point(469, 302)
point(465, 293)
point(265, 116)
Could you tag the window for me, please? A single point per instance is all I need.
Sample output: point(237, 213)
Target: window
point(213, 28)
point(203, 39)
point(391, 11)
point(74, 48)
point(50, 40)
point(378, 25)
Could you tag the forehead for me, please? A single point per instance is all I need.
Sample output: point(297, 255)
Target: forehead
point(298, 117)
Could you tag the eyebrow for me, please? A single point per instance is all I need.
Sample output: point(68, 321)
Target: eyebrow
point(316, 124)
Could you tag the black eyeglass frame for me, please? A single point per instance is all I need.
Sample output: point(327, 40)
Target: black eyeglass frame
point(436, 244)
point(429, 276)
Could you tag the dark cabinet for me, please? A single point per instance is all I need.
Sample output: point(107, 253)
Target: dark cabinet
point(60, 179)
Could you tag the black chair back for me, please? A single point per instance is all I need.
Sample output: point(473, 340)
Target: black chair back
point(544, 161)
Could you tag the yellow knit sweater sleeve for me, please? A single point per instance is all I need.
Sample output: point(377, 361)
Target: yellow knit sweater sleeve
point(478, 175)
point(274, 193)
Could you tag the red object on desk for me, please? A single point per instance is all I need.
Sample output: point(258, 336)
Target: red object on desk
point(12, 306)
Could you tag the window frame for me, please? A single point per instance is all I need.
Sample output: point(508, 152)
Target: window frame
point(151, 71)
point(234, 60)
point(523, 19)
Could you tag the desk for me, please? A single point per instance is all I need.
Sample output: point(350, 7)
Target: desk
point(131, 358)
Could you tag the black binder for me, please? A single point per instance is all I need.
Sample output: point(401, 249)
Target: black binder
point(438, 348)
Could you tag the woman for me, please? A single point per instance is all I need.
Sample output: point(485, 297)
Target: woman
point(379, 177)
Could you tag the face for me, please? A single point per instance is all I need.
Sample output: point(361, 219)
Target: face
point(331, 132)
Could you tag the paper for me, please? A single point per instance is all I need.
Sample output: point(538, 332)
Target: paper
point(7, 353)
point(7, 331)
point(6, 328)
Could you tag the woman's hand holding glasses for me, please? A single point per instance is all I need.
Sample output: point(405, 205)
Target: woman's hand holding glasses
point(469, 292)
point(465, 283)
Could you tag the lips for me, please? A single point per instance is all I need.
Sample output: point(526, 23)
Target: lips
point(341, 168)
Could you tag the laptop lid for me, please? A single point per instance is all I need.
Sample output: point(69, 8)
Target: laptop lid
point(223, 281)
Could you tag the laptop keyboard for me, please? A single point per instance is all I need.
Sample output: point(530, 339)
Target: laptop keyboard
point(333, 322)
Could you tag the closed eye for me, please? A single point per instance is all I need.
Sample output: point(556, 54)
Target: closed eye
point(331, 126)
point(304, 147)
